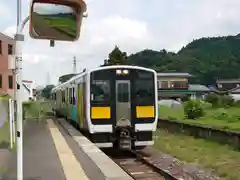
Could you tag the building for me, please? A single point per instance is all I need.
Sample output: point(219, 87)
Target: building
point(176, 85)
point(227, 84)
point(7, 78)
point(173, 80)
point(234, 93)
point(172, 85)
point(198, 91)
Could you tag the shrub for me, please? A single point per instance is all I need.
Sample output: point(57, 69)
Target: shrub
point(185, 98)
point(213, 98)
point(193, 109)
point(226, 101)
point(205, 105)
point(220, 100)
point(237, 103)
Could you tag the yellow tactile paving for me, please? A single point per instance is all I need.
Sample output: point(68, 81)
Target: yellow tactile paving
point(71, 167)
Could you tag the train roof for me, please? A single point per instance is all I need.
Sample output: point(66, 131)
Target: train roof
point(122, 66)
point(68, 81)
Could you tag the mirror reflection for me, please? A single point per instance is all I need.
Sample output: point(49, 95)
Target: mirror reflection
point(51, 21)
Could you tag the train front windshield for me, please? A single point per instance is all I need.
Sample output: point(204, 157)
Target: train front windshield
point(145, 93)
point(100, 90)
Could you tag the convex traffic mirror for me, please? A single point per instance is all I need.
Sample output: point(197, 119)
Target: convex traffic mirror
point(56, 20)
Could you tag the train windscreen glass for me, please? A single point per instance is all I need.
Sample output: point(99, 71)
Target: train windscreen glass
point(100, 90)
point(145, 89)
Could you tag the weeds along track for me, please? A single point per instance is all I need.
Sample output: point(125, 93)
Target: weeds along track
point(134, 164)
point(221, 136)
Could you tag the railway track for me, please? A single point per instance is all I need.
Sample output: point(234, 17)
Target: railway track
point(134, 164)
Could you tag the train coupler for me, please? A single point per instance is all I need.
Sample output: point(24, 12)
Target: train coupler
point(125, 144)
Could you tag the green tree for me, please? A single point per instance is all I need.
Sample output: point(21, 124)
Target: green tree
point(46, 92)
point(65, 77)
point(207, 59)
point(116, 57)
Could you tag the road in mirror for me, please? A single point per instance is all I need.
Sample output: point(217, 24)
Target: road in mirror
point(51, 21)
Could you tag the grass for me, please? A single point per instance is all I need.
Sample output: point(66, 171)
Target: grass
point(36, 109)
point(66, 24)
point(222, 118)
point(4, 134)
point(223, 160)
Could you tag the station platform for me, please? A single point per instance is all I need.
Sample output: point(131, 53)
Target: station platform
point(53, 149)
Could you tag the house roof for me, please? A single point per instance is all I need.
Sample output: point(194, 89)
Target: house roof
point(27, 81)
point(6, 36)
point(212, 88)
point(174, 75)
point(198, 87)
point(228, 81)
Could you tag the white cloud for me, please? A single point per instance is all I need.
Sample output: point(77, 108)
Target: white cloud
point(4, 10)
point(133, 25)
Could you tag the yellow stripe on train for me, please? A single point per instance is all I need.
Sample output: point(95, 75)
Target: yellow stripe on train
point(101, 112)
point(145, 111)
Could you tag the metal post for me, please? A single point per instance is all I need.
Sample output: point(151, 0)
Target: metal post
point(19, 38)
point(10, 122)
point(13, 121)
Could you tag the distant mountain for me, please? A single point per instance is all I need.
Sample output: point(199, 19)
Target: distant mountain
point(206, 58)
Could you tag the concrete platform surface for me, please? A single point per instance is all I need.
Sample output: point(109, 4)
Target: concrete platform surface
point(108, 167)
point(40, 158)
point(50, 153)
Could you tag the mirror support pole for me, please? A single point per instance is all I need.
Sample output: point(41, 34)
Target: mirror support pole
point(19, 38)
point(52, 43)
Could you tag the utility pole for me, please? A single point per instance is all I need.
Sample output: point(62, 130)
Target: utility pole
point(16, 86)
point(74, 65)
point(19, 38)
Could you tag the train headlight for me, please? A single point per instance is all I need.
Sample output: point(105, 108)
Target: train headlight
point(118, 71)
point(125, 71)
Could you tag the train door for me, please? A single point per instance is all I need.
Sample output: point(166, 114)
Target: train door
point(123, 102)
point(80, 105)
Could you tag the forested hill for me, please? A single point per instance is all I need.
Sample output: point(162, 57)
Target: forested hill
point(206, 58)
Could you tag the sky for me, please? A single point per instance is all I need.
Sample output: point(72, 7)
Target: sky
point(133, 25)
point(51, 8)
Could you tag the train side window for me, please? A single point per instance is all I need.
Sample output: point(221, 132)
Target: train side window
point(63, 96)
point(73, 100)
point(70, 95)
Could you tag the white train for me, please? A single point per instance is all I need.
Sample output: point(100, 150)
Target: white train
point(114, 106)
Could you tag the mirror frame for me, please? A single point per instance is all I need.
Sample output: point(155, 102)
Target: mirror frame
point(79, 5)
